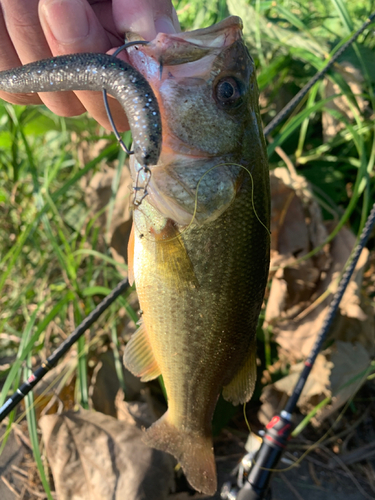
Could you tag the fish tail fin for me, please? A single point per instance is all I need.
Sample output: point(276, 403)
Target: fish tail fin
point(193, 451)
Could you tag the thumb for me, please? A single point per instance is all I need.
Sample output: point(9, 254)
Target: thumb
point(145, 17)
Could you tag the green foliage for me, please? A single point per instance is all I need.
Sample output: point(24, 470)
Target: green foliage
point(54, 262)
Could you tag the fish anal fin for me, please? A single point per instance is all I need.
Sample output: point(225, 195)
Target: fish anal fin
point(241, 387)
point(193, 451)
point(131, 257)
point(139, 358)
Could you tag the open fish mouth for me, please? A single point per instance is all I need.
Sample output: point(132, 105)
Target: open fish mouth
point(181, 48)
point(184, 48)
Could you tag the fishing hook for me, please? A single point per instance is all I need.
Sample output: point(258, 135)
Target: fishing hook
point(105, 97)
point(143, 168)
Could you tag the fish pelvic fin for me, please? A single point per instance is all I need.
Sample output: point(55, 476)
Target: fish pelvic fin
point(139, 358)
point(192, 450)
point(241, 387)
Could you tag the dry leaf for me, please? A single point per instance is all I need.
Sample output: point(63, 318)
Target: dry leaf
point(298, 300)
point(98, 194)
point(105, 385)
point(333, 369)
point(297, 334)
point(300, 297)
point(96, 457)
point(297, 227)
point(137, 413)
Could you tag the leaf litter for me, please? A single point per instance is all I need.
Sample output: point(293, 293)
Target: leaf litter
point(100, 452)
point(96, 457)
point(295, 312)
point(300, 295)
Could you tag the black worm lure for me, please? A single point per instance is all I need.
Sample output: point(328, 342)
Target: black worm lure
point(97, 72)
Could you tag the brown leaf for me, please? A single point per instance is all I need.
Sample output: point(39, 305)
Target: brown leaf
point(98, 194)
point(105, 385)
point(301, 293)
point(300, 297)
point(333, 369)
point(297, 227)
point(95, 457)
point(137, 413)
point(297, 334)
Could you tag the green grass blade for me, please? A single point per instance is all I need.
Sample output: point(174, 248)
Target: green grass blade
point(33, 433)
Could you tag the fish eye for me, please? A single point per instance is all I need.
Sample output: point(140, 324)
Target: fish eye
point(227, 91)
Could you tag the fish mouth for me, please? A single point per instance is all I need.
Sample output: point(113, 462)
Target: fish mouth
point(181, 48)
point(186, 57)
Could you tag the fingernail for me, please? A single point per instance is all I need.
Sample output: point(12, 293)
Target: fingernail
point(164, 25)
point(67, 19)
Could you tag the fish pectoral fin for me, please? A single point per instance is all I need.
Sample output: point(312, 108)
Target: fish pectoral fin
point(173, 259)
point(139, 358)
point(131, 257)
point(241, 387)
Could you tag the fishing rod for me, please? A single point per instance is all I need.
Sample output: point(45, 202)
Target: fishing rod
point(52, 360)
point(278, 430)
point(258, 471)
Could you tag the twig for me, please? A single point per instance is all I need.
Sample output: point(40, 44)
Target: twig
point(286, 159)
point(21, 436)
point(362, 453)
point(19, 471)
point(349, 473)
point(291, 487)
point(12, 489)
point(313, 474)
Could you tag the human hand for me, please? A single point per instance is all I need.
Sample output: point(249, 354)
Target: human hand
point(31, 30)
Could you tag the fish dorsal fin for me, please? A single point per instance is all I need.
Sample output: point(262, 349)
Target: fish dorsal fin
point(139, 358)
point(241, 387)
point(131, 257)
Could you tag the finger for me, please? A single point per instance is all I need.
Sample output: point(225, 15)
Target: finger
point(145, 17)
point(71, 26)
point(9, 59)
point(25, 31)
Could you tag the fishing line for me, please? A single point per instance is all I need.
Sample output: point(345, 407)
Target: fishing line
point(245, 417)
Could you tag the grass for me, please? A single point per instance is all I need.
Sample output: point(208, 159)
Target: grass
point(55, 263)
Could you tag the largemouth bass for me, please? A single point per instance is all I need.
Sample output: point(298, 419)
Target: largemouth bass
point(199, 250)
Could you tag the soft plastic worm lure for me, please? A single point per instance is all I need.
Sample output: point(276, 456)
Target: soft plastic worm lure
point(97, 72)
